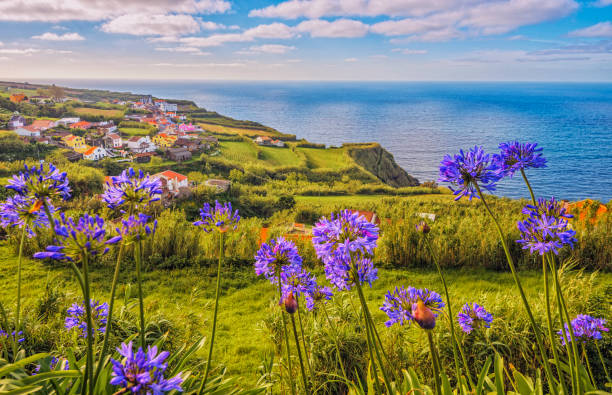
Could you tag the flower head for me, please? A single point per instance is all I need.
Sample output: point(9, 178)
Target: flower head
point(221, 217)
point(25, 211)
point(132, 189)
point(515, 156)
point(296, 280)
point(317, 295)
point(86, 236)
point(76, 317)
point(14, 335)
point(468, 169)
point(290, 303)
point(585, 327)
point(41, 182)
point(473, 316)
point(546, 229)
point(340, 272)
point(136, 228)
point(402, 306)
point(275, 254)
point(143, 373)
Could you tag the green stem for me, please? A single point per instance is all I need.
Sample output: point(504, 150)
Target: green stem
point(306, 353)
point(89, 329)
point(434, 362)
point(331, 325)
point(517, 281)
point(549, 323)
point(280, 298)
point(214, 328)
point(533, 199)
point(602, 362)
point(23, 233)
point(299, 351)
point(456, 345)
point(586, 358)
point(139, 255)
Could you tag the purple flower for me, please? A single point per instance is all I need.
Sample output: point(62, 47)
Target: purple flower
point(25, 211)
point(39, 183)
point(340, 273)
point(585, 327)
point(132, 189)
point(136, 228)
point(75, 239)
point(296, 280)
point(400, 304)
point(17, 336)
point(316, 295)
point(62, 363)
point(515, 156)
point(546, 229)
point(275, 254)
point(473, 316)
point(143, 373)
point(219, 217)
point(76, 317)
point(466, 170)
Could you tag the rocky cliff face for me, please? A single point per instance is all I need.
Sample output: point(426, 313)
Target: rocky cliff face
point(378, 161)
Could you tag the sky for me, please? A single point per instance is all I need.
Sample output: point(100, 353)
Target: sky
point(403, 40)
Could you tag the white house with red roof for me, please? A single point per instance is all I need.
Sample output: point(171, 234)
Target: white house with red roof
point(95, 153)
point(172, 181)
point(116, 139)
point(141, 144)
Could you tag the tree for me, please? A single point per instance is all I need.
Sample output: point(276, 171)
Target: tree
point(57, 93)
point(285, 203)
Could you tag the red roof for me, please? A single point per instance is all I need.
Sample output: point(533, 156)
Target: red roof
point(42, 123)
point(90, 151)
point(80, 125)
point(171, 174)
point(114, 136)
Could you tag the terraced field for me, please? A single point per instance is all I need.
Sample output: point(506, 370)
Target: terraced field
point(233, 130)
point(97, 111)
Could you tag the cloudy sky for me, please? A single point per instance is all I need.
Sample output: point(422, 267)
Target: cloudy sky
point(525, 40)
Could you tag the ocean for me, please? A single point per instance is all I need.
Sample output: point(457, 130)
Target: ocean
point(420, 122)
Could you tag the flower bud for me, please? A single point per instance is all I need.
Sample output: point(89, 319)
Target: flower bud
point(424, 316)
point(290, 303)
point(422, 227)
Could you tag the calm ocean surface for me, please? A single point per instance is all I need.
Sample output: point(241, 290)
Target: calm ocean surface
point(420, 122)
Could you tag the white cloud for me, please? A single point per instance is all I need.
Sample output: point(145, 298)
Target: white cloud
point(337, 28)
point(97, 10)
point(59, 37)
point(188, 50)
point(294, 60)
point(221, 65)
point(380, 56)
point(19, 51)
point(273, 30)
point(602, 29)
point(350, 60)
point(208, 25)
point(272, 48)
point(602, 3)
point(152, 25)
point(407, 51)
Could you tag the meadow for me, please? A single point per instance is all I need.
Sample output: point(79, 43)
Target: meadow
point(107, 113)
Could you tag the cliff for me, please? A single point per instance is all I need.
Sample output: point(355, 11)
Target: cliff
point(378, 161)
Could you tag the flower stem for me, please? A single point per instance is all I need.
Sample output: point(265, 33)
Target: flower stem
point(456, 345)
point(89, 329)
point(306, 353)
point(602, 362)
point(586, 358)
point(533, 199)
point(285, 335)
point(331, 325)
point(517, 281)
point(297, 344)
point(18, 322)
point(139, 255)
point(214, 328)
point(434, 361)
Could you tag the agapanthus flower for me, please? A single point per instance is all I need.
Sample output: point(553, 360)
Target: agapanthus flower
point(87, 235)
point(133, 189)
point(40, 183)
point(136, 228)
point(515, 156)
point(62, 363)
point(290, 302)
point(14, 335)
point(340, 272)
point(25, 211)
point(466, 170)
point(473, 316)
point(318, 294)
point(546, 229)
point(585, 327)
point(275, 254)
point(400, 305)
point(220, 217)
point(296, 280)
point(143, 373)
point(76, 317)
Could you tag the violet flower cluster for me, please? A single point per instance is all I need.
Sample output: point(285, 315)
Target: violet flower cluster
point(400, 304)
point(220, 217)
point(19, 211)
point(473, 316)
point(317, 295)
point(274, 255)
point(17, 336)
point(344, 243)
point(87, 235)
point(296, 280)
point(41, 183)
point(467, 169)
point(132, 189)
point(515, 156)
point(585, 327)
point(546, 229)
point(143, 373)
point(135, 228)
point(76, 318)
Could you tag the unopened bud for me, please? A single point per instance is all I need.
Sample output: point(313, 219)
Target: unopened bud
point(422, 227)
point(424, 316)
point(290, 303)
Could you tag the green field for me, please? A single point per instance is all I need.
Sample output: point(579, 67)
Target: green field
point(330, 158)
point(97, 111)
point(134, 131)
point(357, 201)
point(238, 151)
point(277, 156)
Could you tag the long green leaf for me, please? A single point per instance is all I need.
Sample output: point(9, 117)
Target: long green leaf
point(23, 390)
point(483, 374)
point(19, 364)
point(49, 376)
point(499, 374)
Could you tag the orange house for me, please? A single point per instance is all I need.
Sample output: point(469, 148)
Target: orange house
point(18, 97)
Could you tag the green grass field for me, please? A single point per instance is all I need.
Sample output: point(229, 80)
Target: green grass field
point(357, 201)
point(276, 156)
point(238, 151)
point(331, 158)
point(97, 111)
point(134, 132)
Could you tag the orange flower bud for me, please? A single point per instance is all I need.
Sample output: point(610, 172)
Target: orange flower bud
point(290, 303)
point(424, 316)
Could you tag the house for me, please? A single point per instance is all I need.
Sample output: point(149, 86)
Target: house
point(220, 185)
point(141, 144)
point(144, 157)
point(164, 106)
point(114, 140)
point(81, 125)
point(211, 140)
point(18, 97)
point(27, 131)
point(40, 99)
point(82, 149)
point(67, 121)
point(179, 154)
point(43, 124)
point(73, 141)
point(369, 216)
point(164, 140)
point(189, 127)
point(268, 141)
point(16, 121)
point(95, 153)
point(172, 181)
point(189, 144)
point(44, 140)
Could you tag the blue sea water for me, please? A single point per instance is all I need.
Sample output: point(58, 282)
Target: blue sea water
point(420, 122)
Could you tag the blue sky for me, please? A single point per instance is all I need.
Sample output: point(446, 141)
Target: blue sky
point(514, 40)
